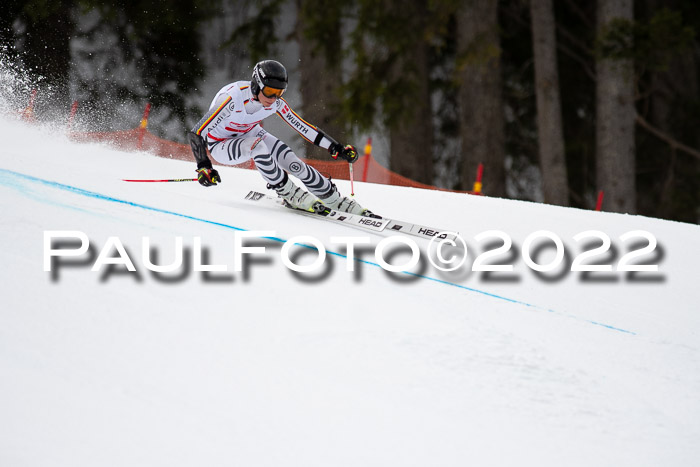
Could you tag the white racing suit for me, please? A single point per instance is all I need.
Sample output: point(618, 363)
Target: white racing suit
point(233, 134)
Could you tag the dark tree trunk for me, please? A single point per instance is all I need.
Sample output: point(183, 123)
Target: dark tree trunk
point(320, 71)
point(411, 132)
point(549, 117)
point(672, 191)
point(482, 124)
point(615, 117)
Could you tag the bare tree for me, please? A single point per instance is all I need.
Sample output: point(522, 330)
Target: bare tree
point(671, 191)
point(615, 110)
point(549, 117)
point(411, 131)
point(318, 35)
point(480, 97)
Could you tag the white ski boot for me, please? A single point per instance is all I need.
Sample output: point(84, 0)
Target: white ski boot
point(295, 196)
point(341, 203)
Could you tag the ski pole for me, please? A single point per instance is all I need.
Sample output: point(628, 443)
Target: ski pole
point(167, 180)
point(352, 180)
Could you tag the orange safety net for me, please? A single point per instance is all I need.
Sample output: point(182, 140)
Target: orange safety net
point(366, 169)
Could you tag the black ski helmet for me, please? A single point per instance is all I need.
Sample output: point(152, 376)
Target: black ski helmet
point(268, 73)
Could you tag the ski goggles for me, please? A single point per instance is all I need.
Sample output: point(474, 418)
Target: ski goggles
point(272, 92)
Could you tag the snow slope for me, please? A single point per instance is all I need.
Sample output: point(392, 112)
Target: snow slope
point(264, 367)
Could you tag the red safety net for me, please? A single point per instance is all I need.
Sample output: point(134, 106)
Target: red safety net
point(366, 169)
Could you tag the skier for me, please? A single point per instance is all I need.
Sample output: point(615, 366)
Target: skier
point(231, 129)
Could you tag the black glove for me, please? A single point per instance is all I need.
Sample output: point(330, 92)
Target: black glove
point(208, 177)
point(347, 152)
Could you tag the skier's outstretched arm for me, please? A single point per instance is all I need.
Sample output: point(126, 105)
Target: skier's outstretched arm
point(315, 135)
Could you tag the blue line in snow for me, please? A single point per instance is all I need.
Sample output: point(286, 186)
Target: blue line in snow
point(100, 196)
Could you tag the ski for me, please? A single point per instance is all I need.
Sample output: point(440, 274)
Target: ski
point(372, 224)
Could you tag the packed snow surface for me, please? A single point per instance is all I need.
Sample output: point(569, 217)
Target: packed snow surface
point(268, 367)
